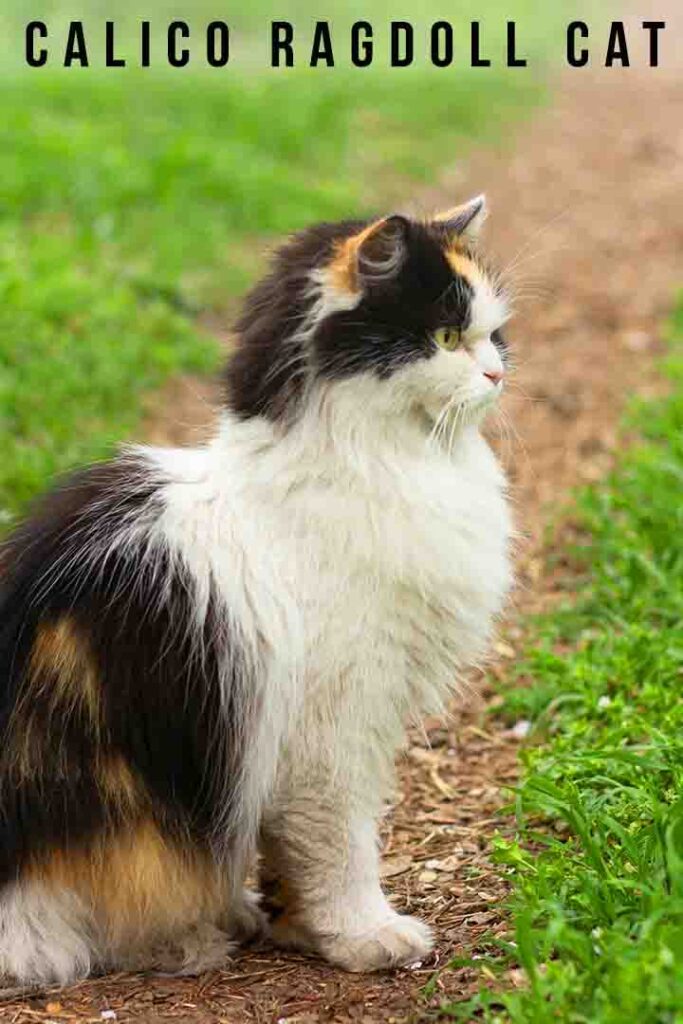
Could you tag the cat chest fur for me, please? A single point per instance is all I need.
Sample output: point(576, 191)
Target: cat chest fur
point(378, 586)
point(403, 574)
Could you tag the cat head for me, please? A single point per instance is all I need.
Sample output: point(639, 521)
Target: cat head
point(400, 312)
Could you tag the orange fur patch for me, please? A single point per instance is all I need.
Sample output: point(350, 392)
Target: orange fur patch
point(62, 679)
point(463, 264)
point(139, 885)
point(119, 786)
point(63, 673)
point(61, 660)
point(342, 269)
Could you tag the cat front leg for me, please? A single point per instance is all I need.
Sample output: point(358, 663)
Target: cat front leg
point(323, 850)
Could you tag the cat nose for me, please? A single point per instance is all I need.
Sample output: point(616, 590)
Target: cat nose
point(495, 376)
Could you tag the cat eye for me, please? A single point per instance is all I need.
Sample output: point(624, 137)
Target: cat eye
point(448, 337)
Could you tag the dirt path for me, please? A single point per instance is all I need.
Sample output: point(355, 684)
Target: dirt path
point(592, 195)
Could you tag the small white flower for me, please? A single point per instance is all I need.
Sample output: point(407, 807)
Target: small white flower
point(604, 702)
point(521, 728)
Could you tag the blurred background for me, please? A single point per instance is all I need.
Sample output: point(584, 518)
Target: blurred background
point(136, 204)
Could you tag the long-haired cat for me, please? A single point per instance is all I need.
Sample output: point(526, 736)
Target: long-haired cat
point(213, 651)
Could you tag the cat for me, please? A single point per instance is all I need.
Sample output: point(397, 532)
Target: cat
point(210, 652)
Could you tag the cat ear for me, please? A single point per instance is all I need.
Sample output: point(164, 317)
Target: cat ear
point(381, 249)
point(464, 221)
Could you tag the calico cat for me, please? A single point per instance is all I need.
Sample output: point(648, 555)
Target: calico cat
point(209, 652)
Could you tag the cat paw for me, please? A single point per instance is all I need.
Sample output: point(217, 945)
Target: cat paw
point(392, 942)
point(203, 947)
point(398, 941)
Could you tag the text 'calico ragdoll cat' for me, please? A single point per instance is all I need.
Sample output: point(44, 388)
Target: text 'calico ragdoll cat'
point(205, 653)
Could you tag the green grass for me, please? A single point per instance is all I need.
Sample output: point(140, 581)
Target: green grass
point(597, 865)
point(134, 200)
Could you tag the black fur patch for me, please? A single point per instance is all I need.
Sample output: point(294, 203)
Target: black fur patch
point(501, 344)
point(160, 687)
point(393, 323)
point(389, 327)
point(265, 376)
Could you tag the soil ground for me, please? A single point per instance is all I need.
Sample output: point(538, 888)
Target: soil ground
point(588, 196)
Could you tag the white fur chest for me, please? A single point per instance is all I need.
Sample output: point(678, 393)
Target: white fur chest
point(363, 586)
point(398, 573)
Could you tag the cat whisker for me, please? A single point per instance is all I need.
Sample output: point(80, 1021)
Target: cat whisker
point(519, 257)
